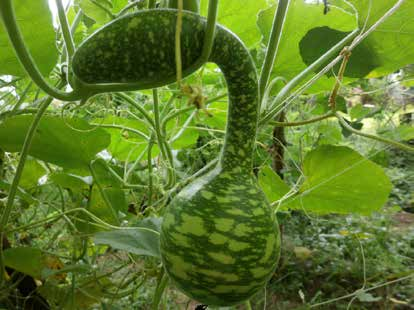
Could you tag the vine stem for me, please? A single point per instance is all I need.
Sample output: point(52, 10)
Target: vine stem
point(305, 122)
point(178, 28)
point(24, 56)
point(273, 45)
point(66, 32)
point(373, 137)
point(19, 170)
point(358, 291)
point(210, 30)
point(248, 305)
point(162, 143)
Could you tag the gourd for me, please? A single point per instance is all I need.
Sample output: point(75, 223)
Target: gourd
point(219, 241)
point(188, 5)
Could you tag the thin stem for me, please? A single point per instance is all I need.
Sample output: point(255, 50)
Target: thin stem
point(123, 128)
point(150, 180)
point(178, 28)
point(305, 122)
point(402, 146)
point(76, 22)
point(162, 143)
point(273, 44)
point(365, 290)
point(22, 98)
point(138, 107)
point(210, 30)
point(9, 19)
point(248, 305)
point(160, 290)
point(339, 79)
point(64, 26)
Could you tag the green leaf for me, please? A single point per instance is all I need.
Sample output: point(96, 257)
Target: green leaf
point(63, 142)
point(105, 209)
point(239, 17)
point(340, 180)
point(139, 241)
point(272, 185)
point(29, 260)
point(393, 39)
point(70, 181)
point(126, 145)
point(35, 22)
point(302, 17)
point(320, 39)
point(359, 111)
point(98, 10)
point(32, 172)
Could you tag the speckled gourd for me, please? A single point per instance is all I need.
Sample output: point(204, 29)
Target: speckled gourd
point(219, 240)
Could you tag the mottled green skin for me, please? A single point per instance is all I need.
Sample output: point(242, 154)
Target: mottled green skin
point(219, 239)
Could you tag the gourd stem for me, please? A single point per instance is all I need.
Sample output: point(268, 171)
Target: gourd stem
point(66, 33)
point(210, 30)
point(373, 137)
point(285, 91)
point(160, 290)
point(273, 44)
point(19, 170)
point(9, 20)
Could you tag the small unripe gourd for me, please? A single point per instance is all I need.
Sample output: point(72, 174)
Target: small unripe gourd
point(219, 240)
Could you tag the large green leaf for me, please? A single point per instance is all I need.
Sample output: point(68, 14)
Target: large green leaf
point(239, 17)
point(144, 240)
point(126, 145)
point(271, 184)
point(64, 142)
point(32, 172)
point(308, 34)
point(301, 18)
point(101, 10)
point(35, 21)
point(340, 180)
point(392, 40)
point(31, 261)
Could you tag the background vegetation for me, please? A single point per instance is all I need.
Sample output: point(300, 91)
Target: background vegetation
point(96, 172)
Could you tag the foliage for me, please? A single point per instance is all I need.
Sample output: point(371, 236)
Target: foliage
point(83, 229)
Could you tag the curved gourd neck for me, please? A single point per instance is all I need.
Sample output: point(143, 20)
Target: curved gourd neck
point(131, 54)
point(238, 68)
